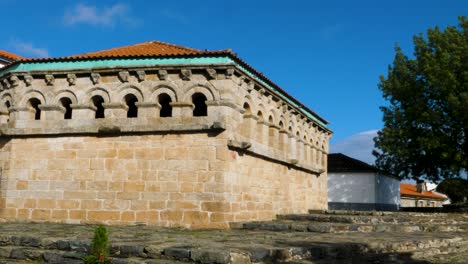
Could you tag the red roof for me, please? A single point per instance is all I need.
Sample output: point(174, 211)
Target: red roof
point(10, 55)
point(145, 49)
point(407, 189)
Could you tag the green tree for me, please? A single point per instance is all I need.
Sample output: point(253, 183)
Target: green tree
point(456, 189)
point(99, 247)
point(426, 119)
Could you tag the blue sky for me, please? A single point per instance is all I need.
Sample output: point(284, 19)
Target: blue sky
point(328, 54)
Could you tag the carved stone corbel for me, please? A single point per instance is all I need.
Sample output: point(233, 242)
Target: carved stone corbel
point(229, 73)
point(49, 79)
point(71, 78)
point(185, 74)
point(162, 74)
point(28, 80)
point(6, 84)
point(212, 74)
point(141, 75)
point(95, 78)
point(240, 81)
point(123, 76)
point(14, 81)
point(250, 85)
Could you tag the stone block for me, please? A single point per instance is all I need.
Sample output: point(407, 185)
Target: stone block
point(103, 215)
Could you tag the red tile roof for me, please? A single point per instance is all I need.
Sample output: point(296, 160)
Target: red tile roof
point(10, 55)
point(407, 189)
point(146, 49)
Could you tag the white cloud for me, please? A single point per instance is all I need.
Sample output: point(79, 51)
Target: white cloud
point(358, 146)
point(91, 15)
point(28, 49)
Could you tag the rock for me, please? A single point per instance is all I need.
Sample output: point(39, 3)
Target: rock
point(239, 258)
point(211, 256)
point(132, 251)
point(259, 254)
point(177, 252)
point(17, 253)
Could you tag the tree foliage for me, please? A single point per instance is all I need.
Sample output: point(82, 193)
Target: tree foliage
point(456, 189)
point(99, 248)
point(426, 119)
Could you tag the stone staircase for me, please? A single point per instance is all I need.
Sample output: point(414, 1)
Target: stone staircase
point(360, 221)
point(318, 237)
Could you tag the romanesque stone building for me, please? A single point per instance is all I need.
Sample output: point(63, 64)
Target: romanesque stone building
point(158, 134)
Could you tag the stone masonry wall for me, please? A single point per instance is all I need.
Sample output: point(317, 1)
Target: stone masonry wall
point(186, 180)
point(141, 153)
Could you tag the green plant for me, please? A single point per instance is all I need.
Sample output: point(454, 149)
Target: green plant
point(99, 248)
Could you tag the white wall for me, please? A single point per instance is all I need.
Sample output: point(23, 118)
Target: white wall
point(388, 190)
point(351, 187)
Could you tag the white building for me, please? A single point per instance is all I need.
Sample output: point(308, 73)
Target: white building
point(356, 185)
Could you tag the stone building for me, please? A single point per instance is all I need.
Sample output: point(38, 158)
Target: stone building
point(419, 196)
point(155, 133)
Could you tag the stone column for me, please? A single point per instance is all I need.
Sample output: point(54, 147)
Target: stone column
point(324, 160)
point(148, 109)
point(307, 153)
point(313, 159)
point(262, 132)
point(83, 111)
point(22, 113)
point(182, 109)
point(273, 136)
point(115, 110)
point(52, 112)
point(283, 141)
point(4, 117)
point(249, 124)
point(292, 146)
point(300, 149)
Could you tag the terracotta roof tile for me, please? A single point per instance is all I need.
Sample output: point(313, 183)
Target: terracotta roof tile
point(407, 189)
point(10, 55)
point(145, 49)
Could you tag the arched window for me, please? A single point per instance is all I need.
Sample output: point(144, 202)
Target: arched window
point(131, 100)
point(199, 101)
point(66, 102)
point(281, 125)
point(247, 110)
point(34, 103)
point(260, 115)
point(165, 102)
point(270, 119)
point(7, 106)
point(97, 102)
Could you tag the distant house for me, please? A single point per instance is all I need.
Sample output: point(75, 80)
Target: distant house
point(7, 57)
point(356, 185)
point(419, 195)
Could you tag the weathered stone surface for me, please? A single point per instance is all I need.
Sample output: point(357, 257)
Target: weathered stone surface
point(210, 256)
point(177, 252)
point(231, 246)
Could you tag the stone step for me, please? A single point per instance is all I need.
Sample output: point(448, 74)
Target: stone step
point(308, 253)
point(330, 227)
point(54, 243)
point(360, 219)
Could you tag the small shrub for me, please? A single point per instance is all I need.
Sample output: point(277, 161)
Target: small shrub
point(99, 248)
